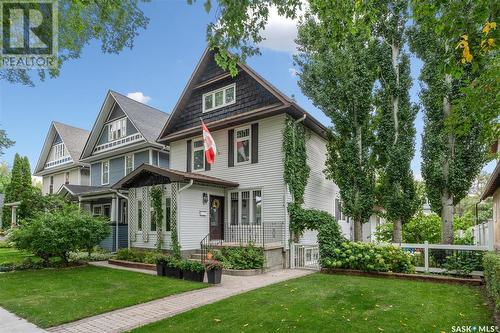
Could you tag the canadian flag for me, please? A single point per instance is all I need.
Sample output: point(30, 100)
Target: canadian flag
point(209, 144)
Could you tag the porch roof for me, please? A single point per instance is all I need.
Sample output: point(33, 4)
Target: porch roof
point(82, 190)
point(147, 175)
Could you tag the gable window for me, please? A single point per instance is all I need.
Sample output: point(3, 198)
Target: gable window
point(129, 163)
point(117, 129)
point(246, 207)
point(105, 173)
point(242, 145)
point(198, 155)
point(59, 151)
point(219, 98)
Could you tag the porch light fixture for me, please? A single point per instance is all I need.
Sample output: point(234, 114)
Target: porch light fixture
point(205, 198)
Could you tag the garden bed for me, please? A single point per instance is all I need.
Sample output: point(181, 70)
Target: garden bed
point(132, 264)
point(476, 281)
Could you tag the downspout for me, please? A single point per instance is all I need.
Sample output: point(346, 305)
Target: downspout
point(301, 119)
point(187, 186)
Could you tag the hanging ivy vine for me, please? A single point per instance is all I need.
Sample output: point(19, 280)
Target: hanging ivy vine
point(156, 198)
point(296, 171)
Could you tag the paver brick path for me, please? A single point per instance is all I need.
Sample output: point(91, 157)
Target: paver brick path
point(142, 314)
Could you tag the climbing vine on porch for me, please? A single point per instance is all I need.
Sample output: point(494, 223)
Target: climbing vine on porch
point(296, 171)
point(156, 198)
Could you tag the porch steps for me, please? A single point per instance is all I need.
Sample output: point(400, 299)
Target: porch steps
point(197, 256)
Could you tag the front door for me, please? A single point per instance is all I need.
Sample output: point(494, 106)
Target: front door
point(216, 217)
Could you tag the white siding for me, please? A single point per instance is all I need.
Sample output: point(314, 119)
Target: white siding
point(320, 192)
point(193, 226)
point(267, 174)
point(60, 178)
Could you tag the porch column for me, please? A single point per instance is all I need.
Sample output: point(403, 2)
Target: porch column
point(114, 218)
point(13, 217)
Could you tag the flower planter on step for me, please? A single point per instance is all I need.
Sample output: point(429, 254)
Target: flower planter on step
point(214, 276)
point(193, 276)
point(173, 272)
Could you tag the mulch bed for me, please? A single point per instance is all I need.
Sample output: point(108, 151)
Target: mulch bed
point(415, 277)
point(132, 264)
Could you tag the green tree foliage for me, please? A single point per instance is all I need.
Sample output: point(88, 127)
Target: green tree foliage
point(19, 185)
point(395, 117)
point(338, 70)
point(114, 22)
point(58, 232)
point(5, 175)
point(237, 26)
point(5, 142)
point(451, 160)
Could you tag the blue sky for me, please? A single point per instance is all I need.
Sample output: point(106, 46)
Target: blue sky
point(158, 66)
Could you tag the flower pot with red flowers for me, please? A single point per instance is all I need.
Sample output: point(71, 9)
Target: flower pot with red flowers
point(214, 271)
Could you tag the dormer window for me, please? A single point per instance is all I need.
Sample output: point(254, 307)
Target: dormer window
point(117, 129)
point(219, 98)
point(59, 151)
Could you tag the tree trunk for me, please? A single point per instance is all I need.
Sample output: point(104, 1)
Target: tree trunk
point(358, 230)
point(397, 232)
point(447, 219)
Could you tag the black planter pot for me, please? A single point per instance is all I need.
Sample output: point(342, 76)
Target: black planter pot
point(160, 269)
point(193, 276)
point(173, 272)
point(214, 276)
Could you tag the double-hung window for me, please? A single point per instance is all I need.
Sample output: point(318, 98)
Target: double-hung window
point(105, 173)
point(242, 145)
point(219, 98)
point(59, 151)
point(245, 207)
point(198, 155)
point(117, 129)
point(129, 163)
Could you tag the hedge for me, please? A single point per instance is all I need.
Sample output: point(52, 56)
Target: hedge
point(491, 263)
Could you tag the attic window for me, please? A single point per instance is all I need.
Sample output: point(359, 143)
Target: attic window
point(117, 129)
point(219, 98)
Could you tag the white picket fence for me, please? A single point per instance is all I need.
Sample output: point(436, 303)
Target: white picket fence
point(483, 234)
point(429, 266)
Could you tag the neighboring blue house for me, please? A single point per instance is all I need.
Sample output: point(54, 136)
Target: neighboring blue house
point(123, 137)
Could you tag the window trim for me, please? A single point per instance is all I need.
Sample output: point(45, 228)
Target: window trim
point(102, 172)
point(59, 151)
point(193, 149)
point(223, 89)
point(251, 208)
point(235, 144)
point(125, 163)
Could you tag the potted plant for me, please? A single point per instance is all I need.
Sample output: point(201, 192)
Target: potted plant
point(161, 264)
point(192, 270)
point(173, 268)
point(214, 271)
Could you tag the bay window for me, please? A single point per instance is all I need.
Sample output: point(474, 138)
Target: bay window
point(245, 207)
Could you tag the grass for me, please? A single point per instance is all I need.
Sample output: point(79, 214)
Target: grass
point(12, 256)
point(51, 297)
point(336, 303)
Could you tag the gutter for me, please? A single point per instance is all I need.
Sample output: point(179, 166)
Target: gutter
point(187, 186)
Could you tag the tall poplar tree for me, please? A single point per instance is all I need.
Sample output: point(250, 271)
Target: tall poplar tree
point(19, 184)
point(447, 36)
point(338, 72)
point(395, 117)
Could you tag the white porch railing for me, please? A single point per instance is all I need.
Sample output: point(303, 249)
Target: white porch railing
point(431, 258)
point(304, 256)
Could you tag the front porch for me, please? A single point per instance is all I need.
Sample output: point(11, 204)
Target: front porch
point(197, 209)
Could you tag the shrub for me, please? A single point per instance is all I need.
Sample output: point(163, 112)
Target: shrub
point(464, 262)
point(55, 233)
point(131, 255)
point(329, 238)
point(152, 257)
point(243, 257)
point(368, 257)
point(94, 256)
point(491, 263)
point(192, 266)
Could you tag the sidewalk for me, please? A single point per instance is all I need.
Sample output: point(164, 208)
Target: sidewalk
point(10, 323)
point(142, 314)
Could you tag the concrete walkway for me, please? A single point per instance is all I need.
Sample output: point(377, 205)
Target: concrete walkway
point(10, 323)
point(142, 314)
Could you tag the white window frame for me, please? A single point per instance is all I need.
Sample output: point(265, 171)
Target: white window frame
point(97, 206)
point(59, 151)
point(114, 126)
point(125, 164)
point(251, 208)
point(235, 143)
point(102, 172)
point(223, 89)
point(193, 149)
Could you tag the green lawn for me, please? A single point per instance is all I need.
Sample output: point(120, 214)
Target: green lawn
point(336, 303)
point(54, 296)
point(12, 256)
